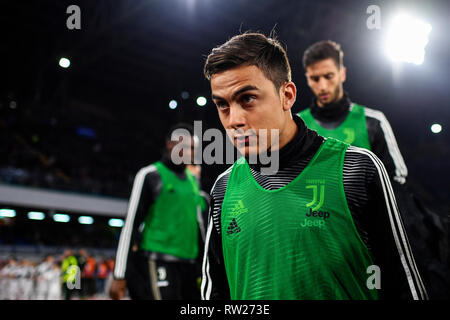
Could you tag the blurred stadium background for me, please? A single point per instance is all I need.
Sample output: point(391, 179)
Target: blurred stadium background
point(73, 138)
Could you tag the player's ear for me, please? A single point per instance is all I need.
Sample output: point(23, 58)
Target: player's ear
point(169, 145)
point(343, 74)
point(289, 95)
point(308, 80)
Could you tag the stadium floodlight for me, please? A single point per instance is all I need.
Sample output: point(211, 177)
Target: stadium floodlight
point(173, 104)
point(85, 220)
point(115, 223)
point(64, 63)
point(436, 128)
point(36, 215)
point(407, 38)
point(201, 101)
point(7, 213)
point(59, 217)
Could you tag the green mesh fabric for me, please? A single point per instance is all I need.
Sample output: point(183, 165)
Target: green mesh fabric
point(297, 242)
point(352, 131)
point(171, 225)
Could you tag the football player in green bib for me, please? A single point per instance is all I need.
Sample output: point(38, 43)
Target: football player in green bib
point(159, 243)
point(324, 226)
point(333, 114)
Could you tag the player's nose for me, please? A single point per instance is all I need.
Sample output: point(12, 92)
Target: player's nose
point(237, 117)
point(322, 84)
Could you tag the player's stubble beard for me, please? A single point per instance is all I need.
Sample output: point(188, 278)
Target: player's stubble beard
point(337, 96)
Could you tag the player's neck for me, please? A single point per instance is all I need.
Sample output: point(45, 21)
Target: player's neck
point(178, 168)
point(331, 111)
point(289, 133)
point(332, 103)
point(301, 145)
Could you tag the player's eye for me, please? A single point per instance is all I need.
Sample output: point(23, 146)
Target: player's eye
point(222, 105)
point(329, 76)
point(247, 98)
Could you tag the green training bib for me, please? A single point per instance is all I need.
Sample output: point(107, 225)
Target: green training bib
point(171, 225)
point(352, 131)
point(297, 242)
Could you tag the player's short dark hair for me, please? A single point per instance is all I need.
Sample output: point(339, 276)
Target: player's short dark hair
point(323, 50)
point(179, 125)
point(251, 49)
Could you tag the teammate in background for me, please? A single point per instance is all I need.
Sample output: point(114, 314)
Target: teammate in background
point(109, 278)
point(53, 278)
point(314, 229)
point(70, 269)
point(8, 280)
point(333, 114)
point(21, 282)
point(3, 280)
point(110, 262)
point(101, 275)
point(14, 283)
point(26, 279)
point(42, 281)
point(23, 276)
point(88, 277)
point(159, 243)
point(82, 257)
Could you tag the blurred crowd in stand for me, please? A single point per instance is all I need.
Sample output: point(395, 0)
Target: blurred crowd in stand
point(70, 275)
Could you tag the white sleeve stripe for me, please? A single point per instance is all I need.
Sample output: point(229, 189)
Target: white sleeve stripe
point(387, 190)
point(206, 278)
point(401, 229)
point(394, 231)
point(400, 226)
point(200, 216)
point(220, 176)
point(405, 237)
point(401, 170)
point(399, 222)
point(125, 235)
point(405, 242)
point(200, 222)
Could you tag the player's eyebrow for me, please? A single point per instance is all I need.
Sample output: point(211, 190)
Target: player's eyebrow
point(238, 92)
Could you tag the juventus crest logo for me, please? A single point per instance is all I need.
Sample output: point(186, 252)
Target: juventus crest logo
point(318, 189)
